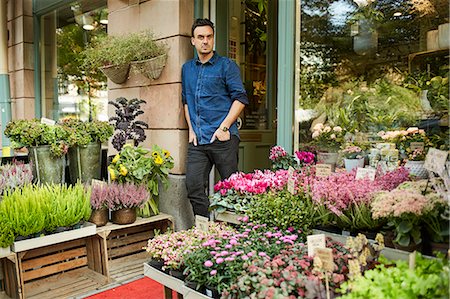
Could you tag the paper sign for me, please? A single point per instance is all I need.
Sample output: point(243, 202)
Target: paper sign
point(412, 260)
point(48, 121)
point(362, 173)
point(383, 167)
point(291, 181)
point(95, 182)
point(435, 160)
point(314, 242)
point(323, 170)
point(417, 145)
point(202, 223)
point(6, 151)
point(326, 257)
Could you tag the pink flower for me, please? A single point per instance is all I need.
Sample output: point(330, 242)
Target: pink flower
point(213, 272)
point(219, 260)
point(208, 264)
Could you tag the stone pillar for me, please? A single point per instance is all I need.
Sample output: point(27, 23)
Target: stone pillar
point(21, 58)
point(171, 22)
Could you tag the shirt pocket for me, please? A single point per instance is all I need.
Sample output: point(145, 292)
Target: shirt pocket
point(213, 85)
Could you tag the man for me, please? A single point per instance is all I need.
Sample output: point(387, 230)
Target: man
point(213, 97)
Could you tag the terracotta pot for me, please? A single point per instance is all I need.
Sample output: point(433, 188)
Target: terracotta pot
point(99, 217)
point(123, 216)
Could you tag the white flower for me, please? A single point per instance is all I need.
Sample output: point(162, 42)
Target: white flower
point(412, 130)
point(337, 129)
point(318, 127)
point(327, 129)
point(315, 134)
point(333, 136)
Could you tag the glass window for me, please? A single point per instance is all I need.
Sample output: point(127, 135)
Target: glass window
point(67, 91)
point(369, 65)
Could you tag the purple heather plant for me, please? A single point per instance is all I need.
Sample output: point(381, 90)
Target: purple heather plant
point(15, 175)
point(99, 197)
point(126, 196)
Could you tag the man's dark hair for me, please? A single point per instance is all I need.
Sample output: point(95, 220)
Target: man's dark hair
point(201, 22)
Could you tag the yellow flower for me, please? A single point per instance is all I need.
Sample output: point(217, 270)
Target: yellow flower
point(166, 154)
point(112, 173)
point(155, 154)
point(123, 170)
point(158, 160)
point(116, 158)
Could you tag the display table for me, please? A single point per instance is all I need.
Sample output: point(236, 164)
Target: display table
point(171, 283)
point(50, 267)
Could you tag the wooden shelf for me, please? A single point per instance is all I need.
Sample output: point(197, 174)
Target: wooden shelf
point(228, 217)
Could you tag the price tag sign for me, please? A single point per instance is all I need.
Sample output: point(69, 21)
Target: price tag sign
point(48, 121)
point(291, 181)
point(412, 260)
point(323, 170)
point(202, 223)
point(314, 242)
point(6, 151)
point(95, 182)
point(417, 145)
point(435, 160)
point(362, 173)
point(326, 257)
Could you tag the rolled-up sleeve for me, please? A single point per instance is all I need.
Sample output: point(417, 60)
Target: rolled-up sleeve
point(183, 86)
point(234, 83)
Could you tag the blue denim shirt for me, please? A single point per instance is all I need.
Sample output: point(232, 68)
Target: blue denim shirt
point(209, 90)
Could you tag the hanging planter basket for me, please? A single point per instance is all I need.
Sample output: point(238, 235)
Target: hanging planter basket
point(150, 68)
point(116, 73)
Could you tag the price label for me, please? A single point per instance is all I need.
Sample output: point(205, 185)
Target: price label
point(6, 151)
point(362, 173)
point(202, 223)
point(48, 121)
point(412, 260)
point(314, 242)
point(291, 181)
point(435, 161)
point(323, 170)
point(326, 257)
point(417, 145)
point(95, 182)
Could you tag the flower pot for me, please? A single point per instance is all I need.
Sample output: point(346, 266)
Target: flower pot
point(46, 167)
point(123, 216)
point(116, 73)
point(85, 162)
point(157, 264)
point(212, 292)
point(417, 169)
point(328, 158)
point(351, 164)
point(150, 68)
point(99, 217)
point(410, 248)
point(443, 35)
point(177, 274)
point(432, 40)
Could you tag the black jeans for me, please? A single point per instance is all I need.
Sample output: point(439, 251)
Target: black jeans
point(200, 159)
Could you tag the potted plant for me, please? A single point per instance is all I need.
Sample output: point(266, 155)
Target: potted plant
point(113, 54)
point(15, 175)
point(125, 124)
point(353, 157)
point(99, 205)
point(47, 145)
point(85, 139)
point(123, 199)
point(328, 139)
point(139, 166)
point(149, 56)
point(415, 164)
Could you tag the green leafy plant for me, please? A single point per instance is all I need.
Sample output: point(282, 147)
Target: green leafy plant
point(282, 209)
point(6, 231)
point(122, 49)
point(82, 133)
point(27, 133)
point(429, 279)
point(139, 166)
